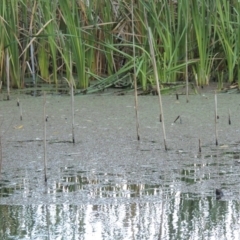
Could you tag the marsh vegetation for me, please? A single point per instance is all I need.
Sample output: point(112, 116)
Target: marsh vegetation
point(193, 39)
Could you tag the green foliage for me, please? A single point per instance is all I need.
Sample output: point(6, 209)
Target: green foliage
point(97, 34)
point(10, 38)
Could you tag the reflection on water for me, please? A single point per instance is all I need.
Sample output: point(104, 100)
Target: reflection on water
point(104, 185)
point(178, 217)
point(177, 203)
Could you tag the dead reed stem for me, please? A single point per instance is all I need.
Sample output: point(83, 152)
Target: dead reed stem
point(32, 58)
point(199, 145)
point(45, 136)
point(20, 108)
point(72, 99)
point(8, 76)
point(186, 59)
point(229, 117)
point(178, 117)
point(32, 63)
point(135, 79)
point(157, 82)
point(216, 117)
point(72, 105)
point(1, 155)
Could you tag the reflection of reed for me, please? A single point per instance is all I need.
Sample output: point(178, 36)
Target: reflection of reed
point(181, 217)
point(104, 187)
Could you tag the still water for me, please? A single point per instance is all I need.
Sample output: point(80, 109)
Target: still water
point(178, 218)
point(109, 186)
point(80, 204)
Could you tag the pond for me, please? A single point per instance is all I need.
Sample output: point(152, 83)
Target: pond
point(108, 185)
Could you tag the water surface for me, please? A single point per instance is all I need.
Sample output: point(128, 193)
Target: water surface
point(110, 186)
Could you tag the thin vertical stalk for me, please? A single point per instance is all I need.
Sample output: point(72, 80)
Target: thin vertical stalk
point(20, 108)
point(7, 72)
point(199, 146)
point(32, 61)
point(72, 99)
point(229, 117)
point(0, 155)
point(72, 104)
point(186, 59)
point(33, 65)
point(31, 45)
point(187, 96)
point(134, 78)
point(157, 82)
point(216, 116)
point(45, 136)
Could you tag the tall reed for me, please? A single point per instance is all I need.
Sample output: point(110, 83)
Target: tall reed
point(47, 48)
point(158, 87)
point(227, 26)
point(75, 43)
point(98, 34)
point(134, 75)
point(10, 23)
point(237, 52)
point(202, 23)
